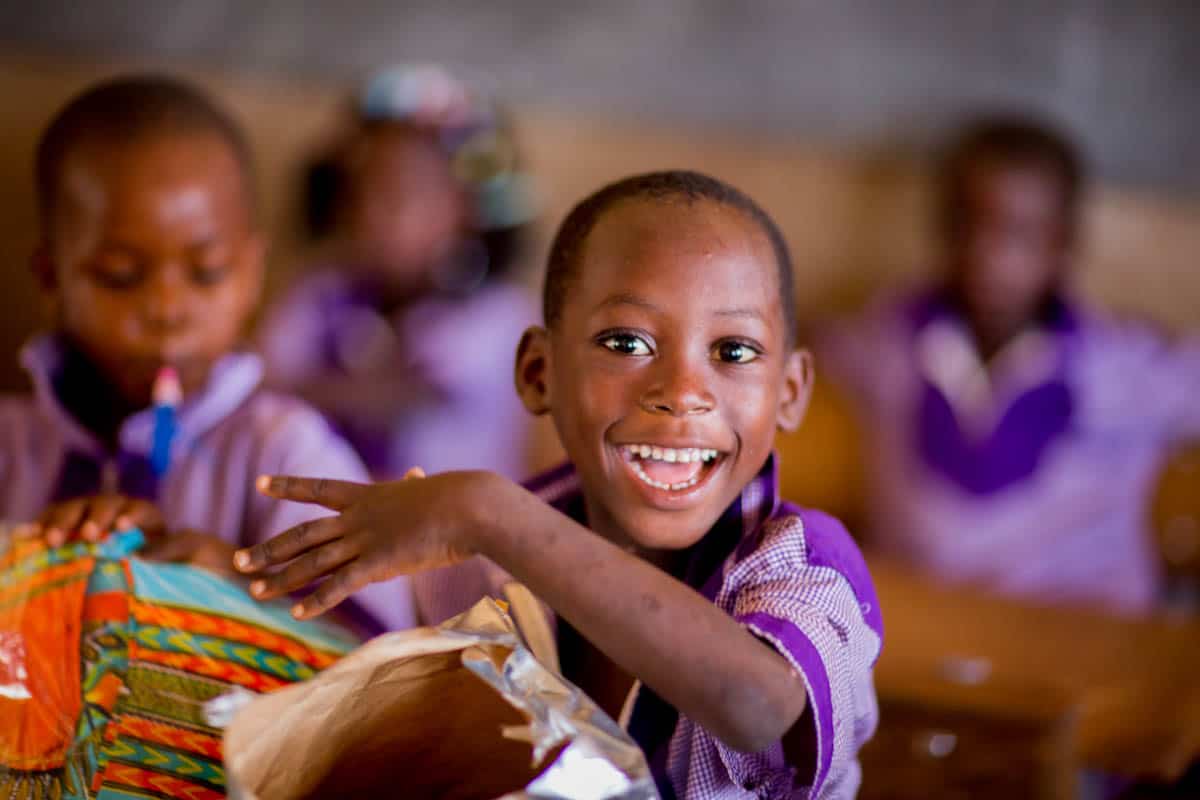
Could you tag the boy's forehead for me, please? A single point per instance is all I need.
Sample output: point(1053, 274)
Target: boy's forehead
point(989, 171)
point(679, 249)
point(1026, 187)
point(157, 179)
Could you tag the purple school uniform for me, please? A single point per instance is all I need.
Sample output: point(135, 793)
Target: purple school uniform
point(456, 408)
point(228, 434)
point(1032, 477)
point(796, 580)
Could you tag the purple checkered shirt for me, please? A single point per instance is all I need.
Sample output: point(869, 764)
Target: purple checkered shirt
point(791, 576)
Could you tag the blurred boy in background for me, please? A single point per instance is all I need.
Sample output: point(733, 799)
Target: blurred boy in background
point(1015, 433)
point(151, 258)
point(403, 334)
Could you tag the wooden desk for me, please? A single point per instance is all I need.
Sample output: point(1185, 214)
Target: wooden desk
point(1134, 684)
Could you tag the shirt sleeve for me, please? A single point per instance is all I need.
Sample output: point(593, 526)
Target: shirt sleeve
point(1174, 368)
point(806, 591)
point(303, 444)
point(1141, 382)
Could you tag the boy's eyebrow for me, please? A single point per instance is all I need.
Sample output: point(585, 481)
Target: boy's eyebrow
point(747, 312)
point(625, 299)
point(203, 242)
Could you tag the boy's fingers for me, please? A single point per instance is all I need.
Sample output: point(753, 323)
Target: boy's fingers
point(321, 491)
point(100, 516)
point(343, 583)
point(62, 520)
point(141, 515)
point(309, 567)
point(414, 472)
point(27, 530)
point(289, 544)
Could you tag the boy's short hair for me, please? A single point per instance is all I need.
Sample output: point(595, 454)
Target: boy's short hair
point(672, 185)
point(125, 108)
point(1010, 140)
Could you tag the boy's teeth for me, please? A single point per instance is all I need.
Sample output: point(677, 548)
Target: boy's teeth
point(650, 454)
point(671, 455)
point(659, 484)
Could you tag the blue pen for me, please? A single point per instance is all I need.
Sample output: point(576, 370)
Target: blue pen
point(167, 394)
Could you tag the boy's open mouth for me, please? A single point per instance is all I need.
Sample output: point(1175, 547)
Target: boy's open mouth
point(671, 469)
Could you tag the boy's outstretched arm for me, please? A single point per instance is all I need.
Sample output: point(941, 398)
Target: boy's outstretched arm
point(656, 628)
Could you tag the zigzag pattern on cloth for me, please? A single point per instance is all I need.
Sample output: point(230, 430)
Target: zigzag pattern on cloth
point(164, 759)
point(233, 630)
point(174, 736)
point(170, 640)
point(126, 781)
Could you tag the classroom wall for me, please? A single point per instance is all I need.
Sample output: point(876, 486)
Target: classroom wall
point(856, 222)
point(857, 72)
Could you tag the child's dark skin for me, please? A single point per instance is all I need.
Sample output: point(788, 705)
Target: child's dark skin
point(1010, 249)
point(672, 334)
point(151, 258)
point(405, 210)
point(403, 216)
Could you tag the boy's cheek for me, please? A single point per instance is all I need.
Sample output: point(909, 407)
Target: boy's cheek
point(83, 317)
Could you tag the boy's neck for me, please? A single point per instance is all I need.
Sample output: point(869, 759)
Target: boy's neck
point(989, 340)
point(89, 396)
point(669, 561)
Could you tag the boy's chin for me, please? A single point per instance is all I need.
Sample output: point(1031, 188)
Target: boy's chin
point(659, 530)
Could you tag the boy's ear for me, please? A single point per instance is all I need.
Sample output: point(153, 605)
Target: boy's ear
point(532, 371)
point(43, 268)
point(797, 389)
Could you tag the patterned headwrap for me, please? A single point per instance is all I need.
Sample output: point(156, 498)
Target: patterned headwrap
point(468, 124)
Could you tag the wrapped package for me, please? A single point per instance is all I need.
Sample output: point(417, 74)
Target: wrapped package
point(463, 712)
point(107, 663)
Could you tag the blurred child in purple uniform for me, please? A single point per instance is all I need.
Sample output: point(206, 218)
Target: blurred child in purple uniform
point(1016, 432)
point(403, 334)
point(151, 256)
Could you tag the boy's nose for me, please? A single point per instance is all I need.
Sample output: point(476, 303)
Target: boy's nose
point(680, 393)
point(166, 303)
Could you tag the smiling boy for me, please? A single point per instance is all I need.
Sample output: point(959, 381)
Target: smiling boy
point(736, 631)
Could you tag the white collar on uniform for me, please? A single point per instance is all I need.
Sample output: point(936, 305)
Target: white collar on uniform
point(233, 379)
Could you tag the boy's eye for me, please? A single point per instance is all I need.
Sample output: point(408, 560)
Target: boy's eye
point(626, 344)
point(117, 276)
point(735, 353)
point(209, 275)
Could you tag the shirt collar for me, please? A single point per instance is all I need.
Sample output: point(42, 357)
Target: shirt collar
point(946, 356)
point(233, 379)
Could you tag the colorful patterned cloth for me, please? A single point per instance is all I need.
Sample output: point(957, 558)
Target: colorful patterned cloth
point(110, 660)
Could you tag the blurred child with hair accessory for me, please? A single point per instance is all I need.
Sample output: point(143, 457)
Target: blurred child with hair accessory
point(403, 334)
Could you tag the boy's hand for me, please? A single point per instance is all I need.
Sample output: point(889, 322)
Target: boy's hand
point(193, 548)
point(383, 530)
point(95, 517)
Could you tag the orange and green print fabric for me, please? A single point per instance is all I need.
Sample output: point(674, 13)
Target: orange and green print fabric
point(107, 662)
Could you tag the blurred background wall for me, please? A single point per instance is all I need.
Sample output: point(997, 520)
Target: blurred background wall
point(825, 111)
